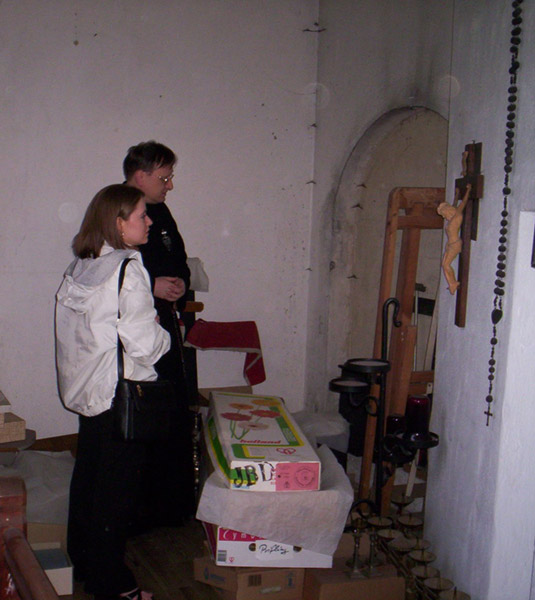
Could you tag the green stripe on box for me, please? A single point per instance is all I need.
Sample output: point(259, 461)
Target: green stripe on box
point(216, 446)
point(287, 432)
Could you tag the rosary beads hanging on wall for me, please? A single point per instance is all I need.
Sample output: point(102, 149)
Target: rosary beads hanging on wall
point(499, 289)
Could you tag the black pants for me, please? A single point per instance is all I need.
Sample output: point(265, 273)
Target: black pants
point(104, 496)
point(169, 497)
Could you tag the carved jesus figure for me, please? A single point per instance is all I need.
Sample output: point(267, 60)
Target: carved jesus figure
point(453, 216)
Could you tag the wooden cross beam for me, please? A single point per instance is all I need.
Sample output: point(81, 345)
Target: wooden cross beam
point(471, 176)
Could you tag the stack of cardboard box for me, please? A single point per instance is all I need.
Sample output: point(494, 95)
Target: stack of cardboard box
point(285, 583)
point(255, 445)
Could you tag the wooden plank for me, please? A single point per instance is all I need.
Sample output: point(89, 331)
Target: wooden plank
point(430, 196)
point(30, 579)
point(398, 383)
point(193, 307)
point(402, 369)
point(420, 222)
point(385, 289)
point(12, 514)
point(400, 356)
point(408, 266)
point(420, 205)
point(419, 381)
point(59, 443)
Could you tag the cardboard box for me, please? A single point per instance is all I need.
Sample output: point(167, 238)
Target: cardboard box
point(13, 429)
point(204, 393)
point(5, 406)
point(335, 584)
point(245, 583)
point(258, 446)
point(234, 548)
point(49, 543)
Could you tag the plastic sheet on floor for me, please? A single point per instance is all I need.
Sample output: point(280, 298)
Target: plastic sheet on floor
point(47, 477)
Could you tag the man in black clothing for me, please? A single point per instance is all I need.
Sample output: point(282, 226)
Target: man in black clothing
point(149, 167)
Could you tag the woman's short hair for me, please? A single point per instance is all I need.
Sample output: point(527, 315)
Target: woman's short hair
point(100, 221)
point(147, 156)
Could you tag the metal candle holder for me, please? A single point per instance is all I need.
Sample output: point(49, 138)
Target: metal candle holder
point(358, 374)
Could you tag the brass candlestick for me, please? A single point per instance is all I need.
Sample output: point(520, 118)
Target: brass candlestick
point(410, 525)
point(438, 584)
point(376, 523)
point(453, 594)
point(401, 500)
point(422, 557)
point(358, 567)
point(402, 544)
point(423, 572)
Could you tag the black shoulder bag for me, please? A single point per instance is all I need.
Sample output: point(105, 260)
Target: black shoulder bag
point(141, 409)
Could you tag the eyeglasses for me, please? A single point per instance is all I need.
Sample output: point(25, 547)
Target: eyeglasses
point(167, 179)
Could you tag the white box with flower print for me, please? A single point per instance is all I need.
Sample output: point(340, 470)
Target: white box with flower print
point(258, 446)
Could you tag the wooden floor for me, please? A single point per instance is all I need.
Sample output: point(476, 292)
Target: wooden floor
point(162, 561)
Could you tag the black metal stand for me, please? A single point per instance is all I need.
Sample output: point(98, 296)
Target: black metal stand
point(358, 374)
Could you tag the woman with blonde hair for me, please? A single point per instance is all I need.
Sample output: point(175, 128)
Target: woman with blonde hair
point(106, 478)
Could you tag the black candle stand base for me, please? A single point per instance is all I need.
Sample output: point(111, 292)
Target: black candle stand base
point(401, 448)
point(418, 441)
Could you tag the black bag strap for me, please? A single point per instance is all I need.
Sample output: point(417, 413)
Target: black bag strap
point(120, 347)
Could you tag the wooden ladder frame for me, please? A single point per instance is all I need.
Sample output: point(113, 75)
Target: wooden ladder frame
point(409, 210)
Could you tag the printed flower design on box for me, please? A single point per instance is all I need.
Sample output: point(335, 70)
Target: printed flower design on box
point(243, 421)
point(240, 405)
point(268, 414)
point(263, 401)
point(235, 418)
point(254, 426)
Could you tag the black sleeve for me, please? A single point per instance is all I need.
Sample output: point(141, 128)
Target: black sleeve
point(165, 254)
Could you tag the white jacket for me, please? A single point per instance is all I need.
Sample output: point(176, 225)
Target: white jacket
point(87, 325)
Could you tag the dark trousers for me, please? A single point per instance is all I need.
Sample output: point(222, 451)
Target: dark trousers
point(169, 497)
point(104, 495)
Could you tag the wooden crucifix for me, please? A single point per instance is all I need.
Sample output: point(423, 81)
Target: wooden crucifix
point(462, 215)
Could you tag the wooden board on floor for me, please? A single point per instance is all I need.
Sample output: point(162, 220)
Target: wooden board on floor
point(162, 561)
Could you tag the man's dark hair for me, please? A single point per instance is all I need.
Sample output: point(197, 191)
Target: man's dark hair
point(147, 156)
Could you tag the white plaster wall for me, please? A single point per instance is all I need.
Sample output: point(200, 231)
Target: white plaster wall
point(374, 56)
point(514, 527)
point(406, 148)
point(480, 484)
point(230, 87)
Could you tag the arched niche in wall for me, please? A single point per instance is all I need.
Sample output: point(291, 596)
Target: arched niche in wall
point(404, 148)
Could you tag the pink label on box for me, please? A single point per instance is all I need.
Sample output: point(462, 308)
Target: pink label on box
point(296, 476)
point(230, 535)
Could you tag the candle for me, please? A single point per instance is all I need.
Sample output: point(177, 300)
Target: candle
point(417, 413)
point(412, 474)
